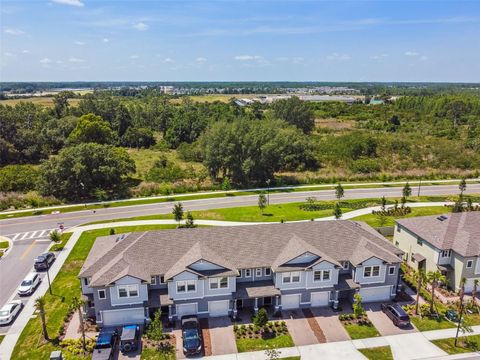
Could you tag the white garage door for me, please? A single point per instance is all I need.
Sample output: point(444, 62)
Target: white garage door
point(218, 308)
point(186, 309)
point(123, 317)
point(320, 298)
point(469, 286)
point(290, 301)
point(372, 294)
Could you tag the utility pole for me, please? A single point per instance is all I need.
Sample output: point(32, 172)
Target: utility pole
point(268, 192)
point(419, 185)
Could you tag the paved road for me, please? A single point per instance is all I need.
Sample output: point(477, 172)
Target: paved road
point(18, 263)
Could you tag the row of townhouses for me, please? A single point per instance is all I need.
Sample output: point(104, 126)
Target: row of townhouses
point(216, 271)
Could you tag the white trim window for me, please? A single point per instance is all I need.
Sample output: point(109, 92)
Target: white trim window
point(127, 291)
point(391, 270)
point(268, 271)
point(162, 280)
point(345, 265)
point(446, 253)
point(247, 273)
point(102, 294)
point(291, 277)
point(371, 271)
point(321, 275)
point(469, 264)
point(258, 272)
point(153, 280)
point(186, 286)
point(218, 283)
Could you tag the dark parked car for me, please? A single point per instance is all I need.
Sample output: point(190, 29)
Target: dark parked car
point(43, 262)
point(452, 315)
point(395, 312)
point(106, 344)
point(192, 340)
point(129, 338)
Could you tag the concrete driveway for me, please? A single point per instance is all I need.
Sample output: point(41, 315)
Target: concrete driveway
point(331, 326)
point(383, 323)
point(222, 337)
point(299, 328)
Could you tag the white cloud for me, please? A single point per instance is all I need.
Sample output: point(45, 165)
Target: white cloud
point(379, 57)
point(45, 61)
point(11, 31)
point(338, 57)
point(140, 26)
point(201, 59)
point(248, 57)
point(76, 60)
point(9, 54)
point(411, 53)
point(25, 51)
point(106, 40)
point(423, 58)
point(76, 3)
point(168, 60)
point(297, 60)
point(79, 43)
point(134, 57)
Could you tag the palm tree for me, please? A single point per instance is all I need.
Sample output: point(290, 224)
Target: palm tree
point(40, 307)
point(420, 278)
point(474, 292)
point(461, 294)
point(434, 278)
point(77, 304)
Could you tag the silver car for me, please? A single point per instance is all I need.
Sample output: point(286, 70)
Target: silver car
point(9, 311)
point(29, 284)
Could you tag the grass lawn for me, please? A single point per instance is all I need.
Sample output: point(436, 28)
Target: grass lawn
point(37, 100)
point(357, 331)
point(280, 341)
point(152, 354)
point(3, 244)
point(374, 221)
point(1, 338)
point(378, 353)
point(61, 244)
point(426, 324)
point(291, 358)
point(448, 345)
point(31, 345)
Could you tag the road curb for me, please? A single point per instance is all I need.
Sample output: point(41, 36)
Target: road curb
point(7, 250)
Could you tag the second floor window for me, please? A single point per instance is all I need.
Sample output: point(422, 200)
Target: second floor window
point(258, 272)
point(469, 264)
point(291, 277)
point(127, 291)
point(218, 283)
point(153, 280)
point(321, 275)
point(446, 253)
point(247, 273)
point(102, 294)
point(268, 271)
point(186, 286)
point(371, 271)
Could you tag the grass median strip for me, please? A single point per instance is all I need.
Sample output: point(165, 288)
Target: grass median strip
point(378, 353)
point(30, 344)
point(279, 341)
point(465, 344)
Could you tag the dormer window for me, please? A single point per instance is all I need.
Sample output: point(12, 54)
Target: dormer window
point(446, 253)
point(153, 280)
point(345, 265)
point(321, 275)
point(371, 271)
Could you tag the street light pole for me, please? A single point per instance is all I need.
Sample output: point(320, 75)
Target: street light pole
point(48, 277)
point(268, 192)
point(419, 185)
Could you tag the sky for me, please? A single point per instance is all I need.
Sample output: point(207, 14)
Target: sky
point(175, 40)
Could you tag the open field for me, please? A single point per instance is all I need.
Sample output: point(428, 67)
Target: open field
point(37, 100)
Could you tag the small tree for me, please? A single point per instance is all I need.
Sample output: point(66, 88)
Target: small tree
point(339, 192)
point(189, 223)
point(261, 319)
point(77, 305)
point(462, 186)
point(177, 212)
point(382, 219)
point(434, 278)
point(403, 201)
point(262, 202)
point(357, 305)
point(40, 307)
point(155, 328)
point(226, 184)
point(272, 354)
point(112, 231)
point(474, 293)
point(337, 211)
point(407, 190)
point(383, 202)
point(420, 278)
point(55, 236)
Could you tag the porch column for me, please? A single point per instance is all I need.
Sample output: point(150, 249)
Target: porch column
point(235, 311)
point(170, 315)
point(335, 301)
point(256, 306)
point(277, 306)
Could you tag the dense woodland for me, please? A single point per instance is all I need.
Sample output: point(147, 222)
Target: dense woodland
point(112, 146)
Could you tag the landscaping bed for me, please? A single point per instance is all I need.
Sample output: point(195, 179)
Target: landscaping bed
point(378, 353)
point(464, 345)
point(273, 335)
point(359, 327)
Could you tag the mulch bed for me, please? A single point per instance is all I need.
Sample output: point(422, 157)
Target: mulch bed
point(317, 330)
point(207, 342)
point(350, 319)
point(169, 341)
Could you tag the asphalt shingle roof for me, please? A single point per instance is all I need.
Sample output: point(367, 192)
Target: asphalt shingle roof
point(169, 252)
point(457, 231)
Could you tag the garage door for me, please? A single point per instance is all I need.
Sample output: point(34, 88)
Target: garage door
point(123, 317)
point(469, 285)
point(218, 308)
point(186, 309)
point(320, 298)
point(372, 294)
point(290, 301)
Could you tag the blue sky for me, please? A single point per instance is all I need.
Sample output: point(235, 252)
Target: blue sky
point(62, 40)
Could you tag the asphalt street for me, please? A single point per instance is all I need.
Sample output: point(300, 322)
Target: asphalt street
point(26, 232)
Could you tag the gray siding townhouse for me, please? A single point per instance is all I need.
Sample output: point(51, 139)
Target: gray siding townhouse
point(449, 243)
point(216, 271)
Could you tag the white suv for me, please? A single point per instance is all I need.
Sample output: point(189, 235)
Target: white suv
point(29, 284)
